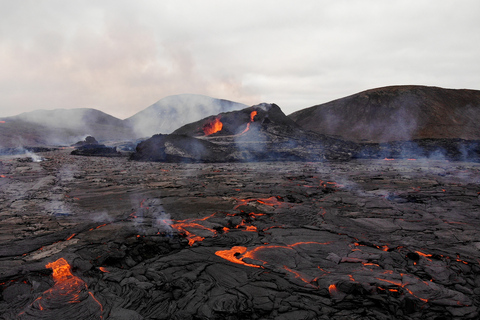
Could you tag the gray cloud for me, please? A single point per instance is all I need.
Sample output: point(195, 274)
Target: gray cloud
point(122, 56)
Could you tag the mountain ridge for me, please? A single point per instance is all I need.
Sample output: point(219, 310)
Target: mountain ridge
point(66, 126)
point(397, 113)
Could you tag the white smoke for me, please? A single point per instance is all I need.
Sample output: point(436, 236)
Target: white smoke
point(172, 112)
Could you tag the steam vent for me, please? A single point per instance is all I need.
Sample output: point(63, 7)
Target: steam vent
point(250, 214)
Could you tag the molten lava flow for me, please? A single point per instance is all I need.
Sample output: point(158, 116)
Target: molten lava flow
point(252, 116)
point(182, 226)
point(332, 289)
point(298, 275)
point(403, 286)
point(212, 127)
point(68, 292)
point(231, 255)
point(98, 227)
point(62, 274)
point(71, 237)
point(237, 254)
point(272, 201)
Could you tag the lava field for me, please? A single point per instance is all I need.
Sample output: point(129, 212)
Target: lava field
point(111, 238)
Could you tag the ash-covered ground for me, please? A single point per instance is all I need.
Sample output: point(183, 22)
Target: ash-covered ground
point(109, 238)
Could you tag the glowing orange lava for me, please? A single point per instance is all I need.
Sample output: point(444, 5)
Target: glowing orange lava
point(182, 226)
point(298, 275)
point(67, 289)
point(252, 116)
point(237, 253)
point(332, 289)
point(98, 227)
point(272, 201)
point(213, 127)
point(71, 237)
point(231, 255)
point(403, 286)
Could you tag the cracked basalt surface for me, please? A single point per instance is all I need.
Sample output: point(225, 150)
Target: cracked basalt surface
point(364, 239)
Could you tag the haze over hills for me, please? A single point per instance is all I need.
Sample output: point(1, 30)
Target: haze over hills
point(397, 113)
point(67, 126)
point(172, 112)
point(60, 127)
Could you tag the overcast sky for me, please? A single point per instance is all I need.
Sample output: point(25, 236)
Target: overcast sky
point(122, 56)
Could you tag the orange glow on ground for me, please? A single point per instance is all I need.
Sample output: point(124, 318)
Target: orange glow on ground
point(71, 237)
point(182, 226)
point(403, 286)
point(272, 201)
point(332, 289)
point(67, 289)
point(237, 253)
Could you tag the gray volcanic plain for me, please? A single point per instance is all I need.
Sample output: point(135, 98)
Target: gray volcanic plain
point(111, 238)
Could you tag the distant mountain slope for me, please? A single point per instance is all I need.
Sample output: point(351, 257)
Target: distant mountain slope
point(60, 127)
point(172, 112)
point(397, 113)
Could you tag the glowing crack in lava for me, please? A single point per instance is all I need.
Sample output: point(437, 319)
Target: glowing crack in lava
point(213, 127)
point(272, 201)
point(238, 253)
point(69, 296)
point(233, 254)
point(183, 226)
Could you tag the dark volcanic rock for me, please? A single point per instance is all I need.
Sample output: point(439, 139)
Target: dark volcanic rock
point(178, 148)
point(448, 149)
point(397, 113)
point(91, 147)
point(98, 150)
point(267, 240)
point(364, 239)
point(88, 140)
point(258, 133)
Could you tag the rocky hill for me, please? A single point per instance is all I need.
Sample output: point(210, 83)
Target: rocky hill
point(397, 113)
point(258, 133)
point(67, 126)
point(60, 127)
point(172, 112)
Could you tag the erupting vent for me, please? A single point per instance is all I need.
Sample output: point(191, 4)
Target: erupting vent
point(213, 127)
point(69, 296)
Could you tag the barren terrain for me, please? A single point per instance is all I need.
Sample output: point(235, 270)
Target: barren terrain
point(109, 238)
